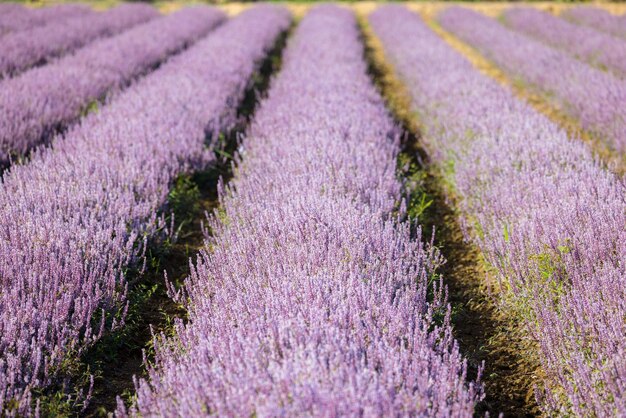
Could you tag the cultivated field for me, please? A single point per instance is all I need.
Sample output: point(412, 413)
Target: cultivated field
point(292, 209)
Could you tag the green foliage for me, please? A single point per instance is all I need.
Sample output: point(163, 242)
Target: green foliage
point(552, 280)
point(418, 204)
point(550, 263)
point(506, 233)
point(479, 230)
point(61, 399)
point(419, 200)
point(184, 199)
point(92, 107)
point(57, 404)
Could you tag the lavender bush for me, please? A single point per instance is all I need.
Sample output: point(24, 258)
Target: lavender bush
point(21, 18)
point(11, 8)
point(595, 97)
point(547, 217)
point(21, 50)
point(310, 298)
point(39, 102)
point(85, 206)
point(602, 50)
point(598, 19)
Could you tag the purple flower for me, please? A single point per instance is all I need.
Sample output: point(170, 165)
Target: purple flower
point(24, 49)
point(595, 97)
point(600, 49)
point(75, 217)
point(311, 297)
point(14, 18)
point(549, 220)
point(598, 19)
point(38, 103)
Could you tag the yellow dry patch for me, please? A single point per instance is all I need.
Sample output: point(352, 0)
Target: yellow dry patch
point(495, 8)
point(233, 9)
point(298, 9)
point(364, 8)
point(167, 7)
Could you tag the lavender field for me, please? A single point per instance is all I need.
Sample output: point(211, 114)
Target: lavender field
point(293, 209)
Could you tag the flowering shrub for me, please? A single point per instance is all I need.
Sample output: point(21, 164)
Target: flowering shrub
point(39, 102)
point(595, 97)
point(547, 217)
point(86, 206)
point(311, 298)
point(24, 49)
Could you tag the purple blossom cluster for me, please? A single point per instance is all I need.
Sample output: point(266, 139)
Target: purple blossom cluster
point(10, 7)
point(547, 217)
point(598, 19)
point(86, 205)
point(600, 49)
point(310, 297)
point(595, 97)
point(13, 18)
point(39, 102)
point(24, 49)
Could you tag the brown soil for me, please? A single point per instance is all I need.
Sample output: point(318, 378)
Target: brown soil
point(484, 332)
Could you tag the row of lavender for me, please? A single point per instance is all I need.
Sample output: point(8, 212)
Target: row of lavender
point(310, 298)
point(598, 19)
point(600, 49)
point(547, 217)
point(79, 213)
point(22, 50)
point(15, 18)
point(38, 103)
point(11, 8)
point(591, 95)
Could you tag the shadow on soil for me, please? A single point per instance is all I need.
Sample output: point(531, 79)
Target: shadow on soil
point(483, 332)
